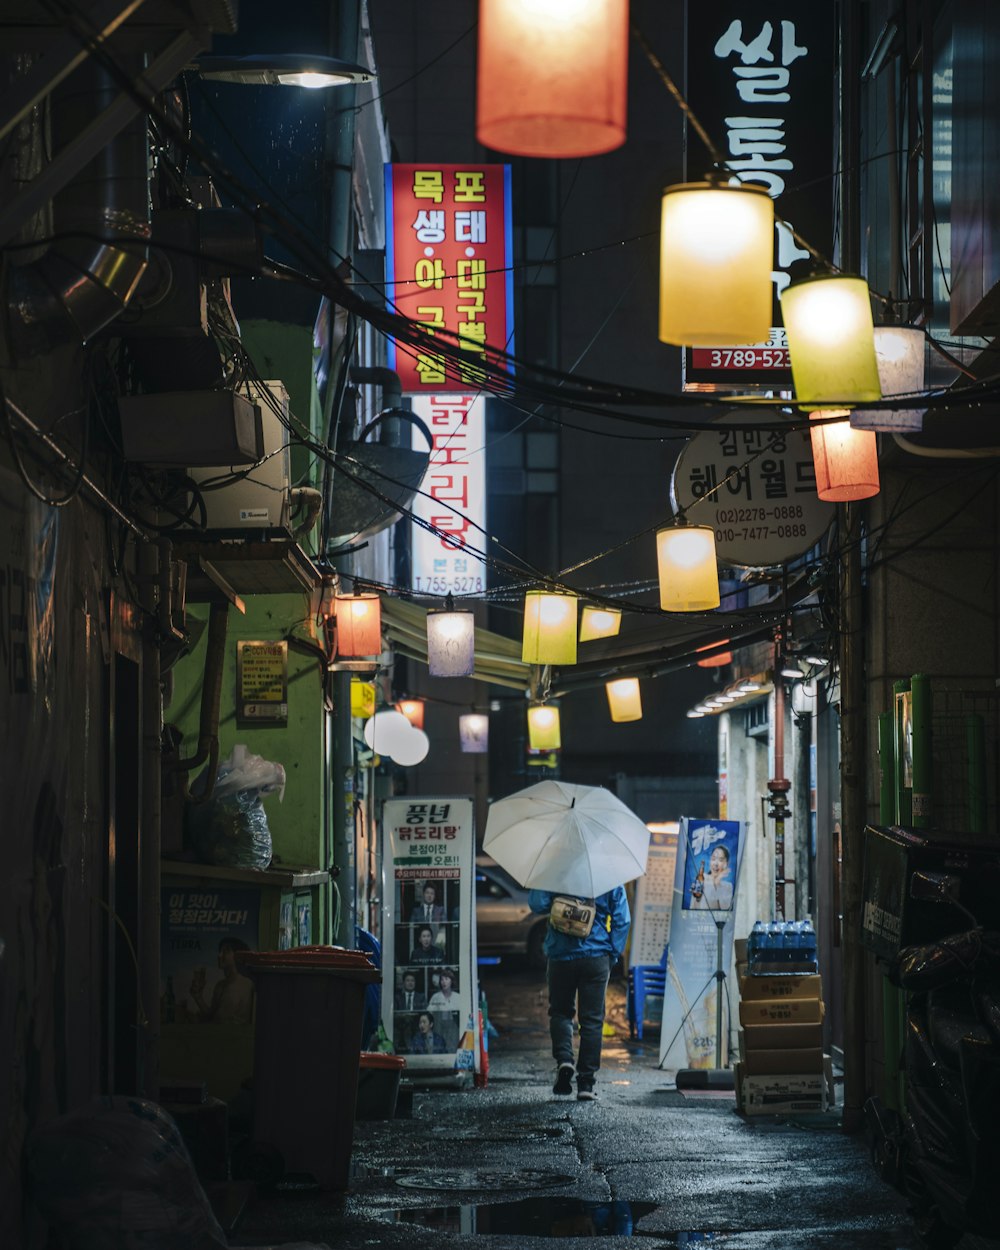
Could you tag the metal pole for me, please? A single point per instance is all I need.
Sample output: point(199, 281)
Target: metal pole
point(720, 976)
point(779, 784)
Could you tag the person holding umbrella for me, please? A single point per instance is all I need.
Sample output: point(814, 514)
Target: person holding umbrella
point(558, 839)
point(578, 971)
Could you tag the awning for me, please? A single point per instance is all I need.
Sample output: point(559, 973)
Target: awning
point(497, 659)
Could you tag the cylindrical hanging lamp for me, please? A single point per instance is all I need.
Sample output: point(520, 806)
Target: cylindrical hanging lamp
point(552, 76)
point(719, 660)
point(899, 353)
point(831, 340)
point(359, 625)
point(599, 622)
point(451, 642)
point(846, 460)
point(413, 710)
point(624, 699)
point(474, 733)
point(716, 257)
point(549, 628)
point(688, 573)
point(543, 727)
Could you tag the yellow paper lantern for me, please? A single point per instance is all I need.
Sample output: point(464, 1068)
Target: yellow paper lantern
point(846, 460)
point(688, 573)
point(624, 699)
point(552, 76)
point(359, 625)
point(716, 257)
point(543, 727)
point(362, 698)
point(413, 710)
point(831, 340)
point(549, 628)
point(599, 622)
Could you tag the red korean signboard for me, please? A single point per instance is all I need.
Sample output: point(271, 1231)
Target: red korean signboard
point(448, 260)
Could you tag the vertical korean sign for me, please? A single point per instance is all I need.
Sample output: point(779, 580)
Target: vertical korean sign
point(452, 498)
point(429, 992)
point(448, 263)
point(759, 78)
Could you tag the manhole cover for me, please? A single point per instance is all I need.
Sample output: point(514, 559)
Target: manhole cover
point(472, 1178)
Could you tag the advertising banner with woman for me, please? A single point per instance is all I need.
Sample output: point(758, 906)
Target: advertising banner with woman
point(429, 987)
point(705, 881)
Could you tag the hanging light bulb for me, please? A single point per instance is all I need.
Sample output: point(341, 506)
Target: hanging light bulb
point(451, 641)
point(846, 460)
point(413, 710)
point(549, 628)
point(474, 733)
point(719, 660)
point(899, 354)
point(624, 699)
point(599, 622)
point(359, 625)
point(552, 76)
point(831, 341)
point(716, 257)
point(543, 727)
point(688, 574)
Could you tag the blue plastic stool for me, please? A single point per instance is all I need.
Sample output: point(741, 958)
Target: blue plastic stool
point(644, 981)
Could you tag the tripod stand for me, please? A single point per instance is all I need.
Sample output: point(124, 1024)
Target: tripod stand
point(717, 1077)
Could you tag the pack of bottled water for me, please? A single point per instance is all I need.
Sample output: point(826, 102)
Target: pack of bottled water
point(782, 946)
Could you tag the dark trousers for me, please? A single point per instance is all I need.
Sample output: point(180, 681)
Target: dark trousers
point(578, 984)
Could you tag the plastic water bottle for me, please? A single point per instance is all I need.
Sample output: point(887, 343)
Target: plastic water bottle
point(793, 935)
point(756, 942)
point(807, 941)
point(774, 937)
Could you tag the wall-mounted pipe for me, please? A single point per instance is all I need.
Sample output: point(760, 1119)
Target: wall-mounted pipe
point(83, 281)
point(211, 697)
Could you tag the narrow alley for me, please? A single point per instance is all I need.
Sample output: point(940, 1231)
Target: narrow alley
point(518, 1165)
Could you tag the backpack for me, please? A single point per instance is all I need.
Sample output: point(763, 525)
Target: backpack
point(572, 916)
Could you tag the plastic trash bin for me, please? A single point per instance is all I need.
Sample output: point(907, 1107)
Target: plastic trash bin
point(307, 1047)
point(378, 1085)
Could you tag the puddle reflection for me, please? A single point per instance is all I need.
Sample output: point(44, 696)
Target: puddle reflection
point(550, 1217)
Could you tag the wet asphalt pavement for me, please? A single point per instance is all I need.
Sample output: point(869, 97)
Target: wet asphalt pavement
point(511, 1165)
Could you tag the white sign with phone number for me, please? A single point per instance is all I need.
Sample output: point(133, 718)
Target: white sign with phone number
point(757, 490)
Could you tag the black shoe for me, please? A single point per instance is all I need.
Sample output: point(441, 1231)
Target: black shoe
point(564, 1079)
point(586, 1093)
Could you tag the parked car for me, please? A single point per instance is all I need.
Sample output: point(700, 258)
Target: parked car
point(505, 923)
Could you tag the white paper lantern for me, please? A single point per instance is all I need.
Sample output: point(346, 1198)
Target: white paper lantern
point(899, 354)
point(410, 748)
point(474, 733)
point(384, 729)
point(451, 643)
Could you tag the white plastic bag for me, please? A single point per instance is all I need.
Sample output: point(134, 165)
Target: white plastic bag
point(243, 771)
point(230, 827)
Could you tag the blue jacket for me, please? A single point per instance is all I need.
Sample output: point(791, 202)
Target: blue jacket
point(607, 937)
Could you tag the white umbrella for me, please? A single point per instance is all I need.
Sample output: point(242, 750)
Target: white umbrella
point(578, 840)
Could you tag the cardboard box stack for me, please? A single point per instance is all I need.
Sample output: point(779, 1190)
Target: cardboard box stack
point(782, 1067)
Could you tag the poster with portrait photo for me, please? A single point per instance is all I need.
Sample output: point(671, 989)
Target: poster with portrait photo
point(711, 866)
point(428, 879)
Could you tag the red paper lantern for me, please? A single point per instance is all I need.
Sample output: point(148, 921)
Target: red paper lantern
point(715, 661)
point(553, 76)
point(846, 459)
point(413, 710)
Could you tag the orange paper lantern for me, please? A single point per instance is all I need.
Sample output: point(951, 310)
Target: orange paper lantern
point(553, 76)
point(846, 460)
point(719, 660)
point(413, 710)
point(359, 625)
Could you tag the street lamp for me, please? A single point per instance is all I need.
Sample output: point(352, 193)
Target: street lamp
point(282, 69)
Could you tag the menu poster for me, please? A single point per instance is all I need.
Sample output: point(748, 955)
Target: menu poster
point(651, 906)
point(429, 985)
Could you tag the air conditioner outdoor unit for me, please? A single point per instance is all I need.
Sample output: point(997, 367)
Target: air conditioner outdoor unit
point(260, 500)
